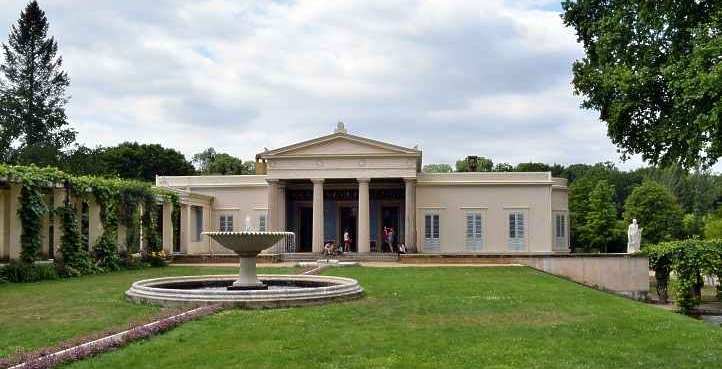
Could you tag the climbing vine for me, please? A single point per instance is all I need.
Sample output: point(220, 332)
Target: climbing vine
point(690, 260)
point(75, 260)
point(119, 201)
point(31, 212)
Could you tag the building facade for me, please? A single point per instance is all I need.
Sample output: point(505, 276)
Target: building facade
point(339, 184)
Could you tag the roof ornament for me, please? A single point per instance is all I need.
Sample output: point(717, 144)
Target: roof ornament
point(340, 128)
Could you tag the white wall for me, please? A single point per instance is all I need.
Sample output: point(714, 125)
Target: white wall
point(495, 202)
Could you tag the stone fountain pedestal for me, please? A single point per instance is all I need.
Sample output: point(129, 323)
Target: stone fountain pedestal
point(247, 276)
point(247, 245)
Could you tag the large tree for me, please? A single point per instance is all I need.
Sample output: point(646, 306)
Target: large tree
point(32, 93)
point(209, 161)
point(657, 211)
point(653, 71)
point(600, 230)
point(132, 160)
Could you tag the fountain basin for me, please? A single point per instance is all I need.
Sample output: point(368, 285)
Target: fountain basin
point(283, 291)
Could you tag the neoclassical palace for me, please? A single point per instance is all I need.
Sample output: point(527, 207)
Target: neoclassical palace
point(342, 183)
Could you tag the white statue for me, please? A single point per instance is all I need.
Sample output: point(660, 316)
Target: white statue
point(634, 237)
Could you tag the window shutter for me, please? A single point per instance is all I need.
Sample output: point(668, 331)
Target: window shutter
point(470, 226)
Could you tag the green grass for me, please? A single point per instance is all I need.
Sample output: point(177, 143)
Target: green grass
point(438, 318)
point(35, 315)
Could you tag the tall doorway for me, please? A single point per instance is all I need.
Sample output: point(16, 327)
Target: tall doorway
point(305, 229)
point(348, 221)
point(390, 218)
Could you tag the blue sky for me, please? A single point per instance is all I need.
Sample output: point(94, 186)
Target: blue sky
point(489, 78)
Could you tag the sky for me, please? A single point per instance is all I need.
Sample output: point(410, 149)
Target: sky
point(457, 78)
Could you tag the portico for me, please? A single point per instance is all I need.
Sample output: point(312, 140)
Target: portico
point(342, 177)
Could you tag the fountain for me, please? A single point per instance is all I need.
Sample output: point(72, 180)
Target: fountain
point(247, 289)
point(247, 245)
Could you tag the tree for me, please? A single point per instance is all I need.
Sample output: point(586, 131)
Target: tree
point(203, 159)
point(32, 93)
point(131, 160)
point(483, 164)
point(503, 167)
point(713, 227)
point(226, 164)
point(209, 161)
point(652, 70)
point(532, 167)
point(656, 210)
point(599, 230)
point(82, 160)
point(438, 168)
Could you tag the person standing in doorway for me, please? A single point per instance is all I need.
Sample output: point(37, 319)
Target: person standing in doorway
point(391, 239)
point(346, 241)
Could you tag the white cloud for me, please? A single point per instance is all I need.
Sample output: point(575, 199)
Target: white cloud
point(458, 77)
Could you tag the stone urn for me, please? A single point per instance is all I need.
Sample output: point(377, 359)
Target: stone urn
point(247, 244)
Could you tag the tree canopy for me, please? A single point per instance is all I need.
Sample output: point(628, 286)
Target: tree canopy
point(132, 160)
point(211, 162)
point(653, 71)
point(656, 210)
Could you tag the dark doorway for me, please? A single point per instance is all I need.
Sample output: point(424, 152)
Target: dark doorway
point(389, 218)
point(348, 221)
point(305, 229)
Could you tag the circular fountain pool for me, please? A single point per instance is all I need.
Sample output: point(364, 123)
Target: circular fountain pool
point(283, 291)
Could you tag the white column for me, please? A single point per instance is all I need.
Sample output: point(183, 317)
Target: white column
point(271, 215)
point(364, 233)
point(410, 218)
point(3, 217)
point(281, 207)
point(95, 224)
point(45, 231)
point(14, 224)
point(141, 225)
point(318, 234)
point(58, 202)
point(187, 232)
point(168, 227)
point(122, 238)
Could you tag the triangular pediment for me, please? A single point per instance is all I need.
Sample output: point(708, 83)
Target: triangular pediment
point(340, 144)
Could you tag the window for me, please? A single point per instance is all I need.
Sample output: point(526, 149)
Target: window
point(474, 232)
point(516, 231)
point(262, 222)
point(198, 213)
point(431, 231)
point(226, 223)
point(560, 231)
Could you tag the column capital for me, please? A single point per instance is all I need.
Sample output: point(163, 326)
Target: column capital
point(272, 180)
point(410, 179)
point(317, 180)
point(363, 180)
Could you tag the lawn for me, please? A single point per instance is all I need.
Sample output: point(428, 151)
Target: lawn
point(35, 315)
point(437, 318)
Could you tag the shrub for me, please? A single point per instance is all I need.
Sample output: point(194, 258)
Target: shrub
point(19, 272)
point(105, 252)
